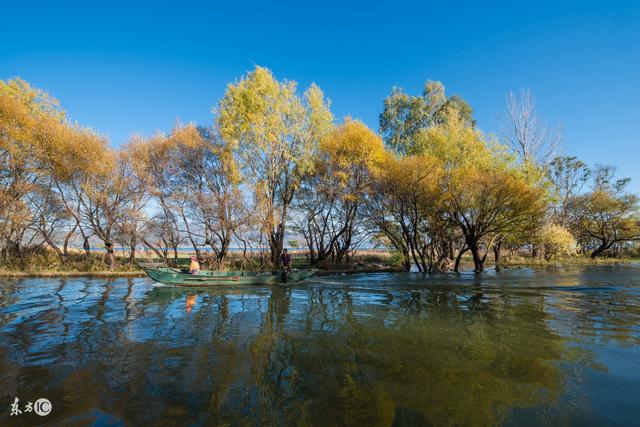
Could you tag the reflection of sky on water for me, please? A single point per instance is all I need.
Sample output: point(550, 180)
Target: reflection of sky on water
point(572, 333)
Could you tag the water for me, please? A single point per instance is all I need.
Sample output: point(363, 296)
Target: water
point(519, 347)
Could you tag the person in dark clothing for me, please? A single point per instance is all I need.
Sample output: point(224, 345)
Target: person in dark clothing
point(285, 261)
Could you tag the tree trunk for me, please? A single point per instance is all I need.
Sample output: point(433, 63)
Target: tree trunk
point(50, 242)
point(496, 254)
point(276, 244)
point(456, 267)
point(603, 247)
point(162, 254)
point(132, 252)
point(65, 245)
point(477, 260)
point(18, 249)
point(406, 260)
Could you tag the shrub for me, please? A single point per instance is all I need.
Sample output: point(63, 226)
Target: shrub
point(556, 240)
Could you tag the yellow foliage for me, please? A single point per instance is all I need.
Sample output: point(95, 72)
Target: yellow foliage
point(349, 151)
point(556, 240)
point(416, 176)
point(273, 133)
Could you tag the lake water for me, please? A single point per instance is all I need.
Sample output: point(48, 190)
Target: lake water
point(518, 347)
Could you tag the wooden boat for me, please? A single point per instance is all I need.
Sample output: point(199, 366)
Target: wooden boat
point(172, 276)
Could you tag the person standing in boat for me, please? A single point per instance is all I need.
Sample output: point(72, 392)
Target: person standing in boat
point(285, 261)
point(194, 268)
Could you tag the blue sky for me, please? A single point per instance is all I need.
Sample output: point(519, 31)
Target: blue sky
point(122, 68)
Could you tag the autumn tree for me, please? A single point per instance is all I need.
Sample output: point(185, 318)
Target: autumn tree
point(555, 240)
point(489, 194)
point(135, 185)
point(332, 194)
point(25, 114)
point(155, 165)
point(406, 207)
point(206, 168)
point(272, 131)
point(192, 176)
point(104, 194)
point(605, 216)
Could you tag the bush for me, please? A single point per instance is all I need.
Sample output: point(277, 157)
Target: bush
point(556, 241)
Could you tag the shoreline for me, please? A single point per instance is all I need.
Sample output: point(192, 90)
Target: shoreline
point(327, 272)
point(8, 274)
point(21, 274)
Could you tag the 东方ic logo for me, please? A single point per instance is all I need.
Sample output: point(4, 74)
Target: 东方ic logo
point(42, 407)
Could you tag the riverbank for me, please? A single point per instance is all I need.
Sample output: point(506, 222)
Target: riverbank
point(93, 266)
point(133, 273)
point(46, 264)
point(140, 273)
point(579, 260)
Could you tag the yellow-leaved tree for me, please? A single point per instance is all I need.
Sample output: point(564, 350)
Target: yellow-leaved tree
point(332, 194)
point(31, 123)
point(405, 205)
point(488, 194)
point(273, 133)
point(556, 240)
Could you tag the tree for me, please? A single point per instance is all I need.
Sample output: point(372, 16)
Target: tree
point(404, 116)
point(605, 217)
point(206, 168)
point(406, 207)
point(333, 193)
point(27, 116)
point(489, 194)
point(135, 185)
point(101, 189)
point(156, 166)
point(273, 131)
point(556, 240)
point(568, 176)
point(524, 131)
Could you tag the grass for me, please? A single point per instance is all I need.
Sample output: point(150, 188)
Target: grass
point(44, 262)
point(573, 260)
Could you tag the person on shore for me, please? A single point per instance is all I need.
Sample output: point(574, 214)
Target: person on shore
point(194, 268)
point(285, 261)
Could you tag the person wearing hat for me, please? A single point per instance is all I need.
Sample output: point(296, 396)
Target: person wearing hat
point(194, 268)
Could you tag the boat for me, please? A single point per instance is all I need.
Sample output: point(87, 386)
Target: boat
point(172, 276)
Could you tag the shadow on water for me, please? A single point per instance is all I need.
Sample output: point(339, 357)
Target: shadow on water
point(386, 349)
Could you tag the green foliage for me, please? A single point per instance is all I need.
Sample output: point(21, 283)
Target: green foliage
point(405, 116)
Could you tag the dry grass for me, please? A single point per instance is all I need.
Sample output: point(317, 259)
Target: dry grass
point(44, 262)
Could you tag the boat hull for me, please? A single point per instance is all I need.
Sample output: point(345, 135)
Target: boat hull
point(170, 276)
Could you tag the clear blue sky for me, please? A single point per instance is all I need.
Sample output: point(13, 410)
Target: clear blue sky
point(122, 68)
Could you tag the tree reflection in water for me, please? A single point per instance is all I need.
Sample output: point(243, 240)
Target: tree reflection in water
point(394, 352)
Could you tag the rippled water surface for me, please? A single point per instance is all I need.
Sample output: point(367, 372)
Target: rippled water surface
point(518, 347)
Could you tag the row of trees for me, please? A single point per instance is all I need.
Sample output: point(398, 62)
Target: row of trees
point(275, 166)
